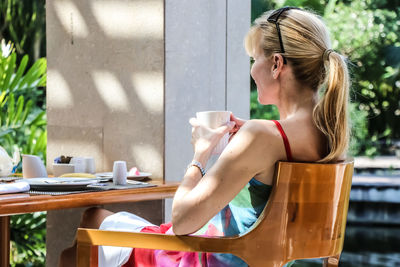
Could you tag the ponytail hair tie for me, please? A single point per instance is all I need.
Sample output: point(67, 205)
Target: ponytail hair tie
point(325, 55)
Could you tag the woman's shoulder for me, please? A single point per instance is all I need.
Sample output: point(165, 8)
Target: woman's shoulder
point(257, 147)
point(305, 140)
point(262, 130)
point(260, 127)
point(261, 136)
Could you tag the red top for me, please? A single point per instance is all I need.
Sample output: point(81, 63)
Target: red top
point(285, 141)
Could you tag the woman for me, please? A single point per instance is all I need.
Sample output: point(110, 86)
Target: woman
point(294, 69)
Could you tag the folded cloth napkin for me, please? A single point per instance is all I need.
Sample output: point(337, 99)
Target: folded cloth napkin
point(7, 188)
point(134, 172)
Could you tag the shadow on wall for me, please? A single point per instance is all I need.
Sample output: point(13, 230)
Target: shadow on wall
point(105, 81)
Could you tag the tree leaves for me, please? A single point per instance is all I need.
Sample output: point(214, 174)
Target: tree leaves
point(20, 71)
point(27, 235)
point(23, 125)
point(8, 71)
point(23, 22)
point(22, 122)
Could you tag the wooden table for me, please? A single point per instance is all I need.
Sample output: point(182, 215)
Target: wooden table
point(12, 204)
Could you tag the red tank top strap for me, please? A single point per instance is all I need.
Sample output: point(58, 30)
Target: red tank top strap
point(285, 140)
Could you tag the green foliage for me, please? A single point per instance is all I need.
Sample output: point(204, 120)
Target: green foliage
point(22, 110)
point(359, 129)
point(315, 5)
point(370, 38)
point(260, 6)
point(19, 80)
point(24, 23)
point(28, 246)
point(22, 122)
point(23, 126)
point(258, 111)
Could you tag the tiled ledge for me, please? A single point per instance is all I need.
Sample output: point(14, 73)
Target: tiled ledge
point(380, 162)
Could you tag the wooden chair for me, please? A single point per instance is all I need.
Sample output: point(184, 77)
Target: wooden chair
point(305, 217)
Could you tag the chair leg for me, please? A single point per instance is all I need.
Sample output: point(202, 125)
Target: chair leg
point(332, 261)
point(83, 255)
point(94, 256)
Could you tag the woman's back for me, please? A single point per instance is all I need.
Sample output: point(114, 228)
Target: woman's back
point(307, 143)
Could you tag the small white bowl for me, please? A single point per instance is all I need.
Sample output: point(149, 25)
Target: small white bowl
point(61, 168)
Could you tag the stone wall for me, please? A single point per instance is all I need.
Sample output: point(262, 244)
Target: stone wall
point(105, 94)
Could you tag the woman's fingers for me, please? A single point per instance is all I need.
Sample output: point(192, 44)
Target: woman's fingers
point(226, 128)
point(234, 118)
point(201, 131)
point(194, 122)
point(234, 129)
point(239, 123)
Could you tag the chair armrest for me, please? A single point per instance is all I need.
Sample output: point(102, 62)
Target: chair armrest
point(94, 237)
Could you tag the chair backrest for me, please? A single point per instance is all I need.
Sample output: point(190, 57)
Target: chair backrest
point(305, 216)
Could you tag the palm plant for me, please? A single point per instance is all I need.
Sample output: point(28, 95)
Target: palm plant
point(23, 22)
point(23, 126)
point(22, 122)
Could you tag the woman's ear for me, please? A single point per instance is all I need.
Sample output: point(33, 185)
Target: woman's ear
point(277, 65)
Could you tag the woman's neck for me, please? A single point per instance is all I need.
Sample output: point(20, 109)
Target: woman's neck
point(295, 100)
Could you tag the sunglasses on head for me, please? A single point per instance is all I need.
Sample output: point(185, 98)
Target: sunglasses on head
point(273, 18)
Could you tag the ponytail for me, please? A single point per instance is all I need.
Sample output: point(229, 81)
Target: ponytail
point(331, 113)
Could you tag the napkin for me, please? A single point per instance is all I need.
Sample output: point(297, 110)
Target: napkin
point(134, 172)
point(16, 187)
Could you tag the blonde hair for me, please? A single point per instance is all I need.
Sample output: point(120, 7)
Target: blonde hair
point(307, 50)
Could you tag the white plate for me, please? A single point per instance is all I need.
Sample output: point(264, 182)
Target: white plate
point(141, 176)
point(59, 183)
point(104, 175)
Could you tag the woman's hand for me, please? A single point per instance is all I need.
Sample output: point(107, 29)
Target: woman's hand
point(238, 124)
point(205, 139)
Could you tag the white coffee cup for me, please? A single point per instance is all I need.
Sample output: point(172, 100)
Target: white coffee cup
point(90, 166)
point(79, 163)
point(33, 167)
point(119, 173)
point(215, 119)
point(62, 168)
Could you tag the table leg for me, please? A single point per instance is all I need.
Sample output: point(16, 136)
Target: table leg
point(4, 241)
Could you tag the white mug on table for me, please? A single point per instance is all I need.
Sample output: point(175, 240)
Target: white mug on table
point(119, 173)
point(215, 119)
point(33, 167)
point(90, 166)
point(79, 163)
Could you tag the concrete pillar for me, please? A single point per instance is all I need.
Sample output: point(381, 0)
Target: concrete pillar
point(125, 76)
point(206, 68)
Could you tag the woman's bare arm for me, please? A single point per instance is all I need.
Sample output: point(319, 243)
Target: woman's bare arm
point(254, 148)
